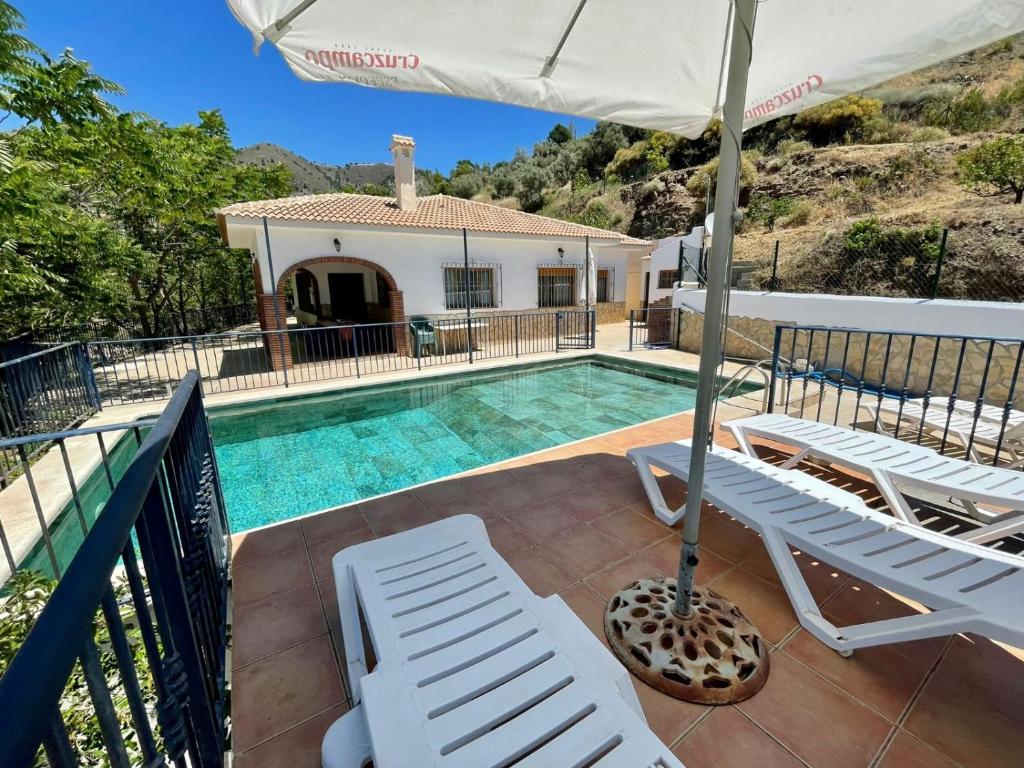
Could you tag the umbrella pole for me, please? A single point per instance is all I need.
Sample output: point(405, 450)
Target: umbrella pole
point(699, 647)
point(717, 287)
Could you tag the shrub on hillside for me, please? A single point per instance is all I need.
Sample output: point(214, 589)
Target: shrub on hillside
point(697, 184)
point(844, 120)
point(896, 261)
point(994, 167)
point(767, 210)
point(799, 215)
point(530, 185)
point(788, 147)
point(928, 133)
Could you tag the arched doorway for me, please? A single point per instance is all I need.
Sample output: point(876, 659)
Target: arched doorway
point(335, 298)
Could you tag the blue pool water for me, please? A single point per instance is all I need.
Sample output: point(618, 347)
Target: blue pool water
point(283, 458)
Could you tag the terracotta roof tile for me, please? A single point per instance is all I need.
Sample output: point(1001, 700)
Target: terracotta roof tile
point(432, 212)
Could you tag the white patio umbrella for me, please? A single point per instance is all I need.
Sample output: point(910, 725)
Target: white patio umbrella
point(672, 65)
point(587, 289)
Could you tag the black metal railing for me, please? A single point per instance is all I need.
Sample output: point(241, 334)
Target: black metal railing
point(654, 328)
point(47, 530)
point(138, 370)
point(44, 391)
point(170, 502)
point(959, 394)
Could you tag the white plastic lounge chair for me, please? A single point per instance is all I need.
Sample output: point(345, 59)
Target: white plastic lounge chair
point(895, 466)
point(960, 425)
point(470, 669)
point(970, 588)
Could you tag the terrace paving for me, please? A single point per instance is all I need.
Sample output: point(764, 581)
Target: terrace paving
point(573, 520)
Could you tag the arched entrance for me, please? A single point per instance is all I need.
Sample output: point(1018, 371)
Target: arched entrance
point(338, 302)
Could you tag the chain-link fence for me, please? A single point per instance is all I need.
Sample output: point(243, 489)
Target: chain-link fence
point(871, 259)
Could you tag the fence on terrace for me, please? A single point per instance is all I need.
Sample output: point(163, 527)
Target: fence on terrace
point(137, 370)
point(958, 394)
point(77, 701)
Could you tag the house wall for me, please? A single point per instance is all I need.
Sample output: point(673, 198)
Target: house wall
point(666, 257)
point(415, 259)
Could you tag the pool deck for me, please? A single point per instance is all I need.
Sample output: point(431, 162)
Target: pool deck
point(574, 520)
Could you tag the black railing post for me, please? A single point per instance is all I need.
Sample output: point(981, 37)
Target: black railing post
point(773, 284)
point(558, 319)
point(469, 301)
point(631, 313)
point(775, 368)
point(517, 335)
point(938, 263)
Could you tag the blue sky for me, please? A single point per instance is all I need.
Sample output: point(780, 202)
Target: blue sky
point(177, 57)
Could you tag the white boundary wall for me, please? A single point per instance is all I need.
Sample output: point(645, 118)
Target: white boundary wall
point(870, 313)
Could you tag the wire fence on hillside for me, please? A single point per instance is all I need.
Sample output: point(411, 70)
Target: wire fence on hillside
point(924, 263)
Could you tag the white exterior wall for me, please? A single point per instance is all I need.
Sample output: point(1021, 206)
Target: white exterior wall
point(938, 316)
point(666, 256)
point(415, 258)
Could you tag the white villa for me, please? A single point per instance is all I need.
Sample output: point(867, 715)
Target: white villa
point(349, 259)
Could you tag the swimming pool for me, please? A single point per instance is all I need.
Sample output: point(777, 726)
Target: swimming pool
point(287, 457)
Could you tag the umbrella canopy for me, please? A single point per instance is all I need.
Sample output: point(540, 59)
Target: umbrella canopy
point(658, 64)
point(587, 289)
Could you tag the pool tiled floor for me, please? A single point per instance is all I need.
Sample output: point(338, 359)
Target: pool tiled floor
point(573, 520)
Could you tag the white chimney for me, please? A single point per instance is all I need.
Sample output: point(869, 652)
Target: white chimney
point(405, 172)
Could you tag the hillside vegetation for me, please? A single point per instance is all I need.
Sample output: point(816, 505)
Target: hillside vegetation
point(857, 191)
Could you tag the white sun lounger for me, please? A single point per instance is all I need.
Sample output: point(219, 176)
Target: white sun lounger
point(970, 588)
point(470, 669)
point(895, 466)
point(960, 425)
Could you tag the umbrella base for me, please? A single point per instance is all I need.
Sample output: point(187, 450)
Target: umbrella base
point(715, 656)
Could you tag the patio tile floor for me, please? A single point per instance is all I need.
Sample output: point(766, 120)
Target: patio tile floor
point(947, 702)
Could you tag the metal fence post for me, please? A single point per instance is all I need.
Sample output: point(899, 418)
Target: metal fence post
point(558, 318)
point(774, 283)
point(355, 349)
point(89, 375)
point(631, 329)
point(938, 263)
point(679, 325)
point(593, 328)
point(775, 368)
point(517, 334)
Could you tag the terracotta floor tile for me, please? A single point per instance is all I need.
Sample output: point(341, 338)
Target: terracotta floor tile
point(611, 580)
point(584, 471)
point(546, 480)
point(585, 504)
point(763, 603)
point(329, 601)
point(506, 538)
point(664, 555)
point(966, 726)
point(907, 752)
point(857, 602)
point(321, 554)
point(822, 579)
point(278, 622)
point(512, 495)
point(883, 677)
point(727, 738)
point(468, 503)
point(624, 490)
point(668, 717)
point(330, 525)
point(629, 529)
point(485, 481)
point(977, 662)
point(270, 696)
point(270, 576)
point(543, 521)
point(397, 513)
point(441, 492)
point(298, 747)
point(588, 606)
point(583, 551)
point(673, 490)
point(727, 538)
point(540, 572)
point(612, 461)
point(813, 719)
point(249, 546)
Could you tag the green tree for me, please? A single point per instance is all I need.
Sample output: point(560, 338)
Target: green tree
point(560, 134)
point(994, 167)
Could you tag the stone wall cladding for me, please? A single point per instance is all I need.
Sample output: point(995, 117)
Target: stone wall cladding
point(906, 361)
